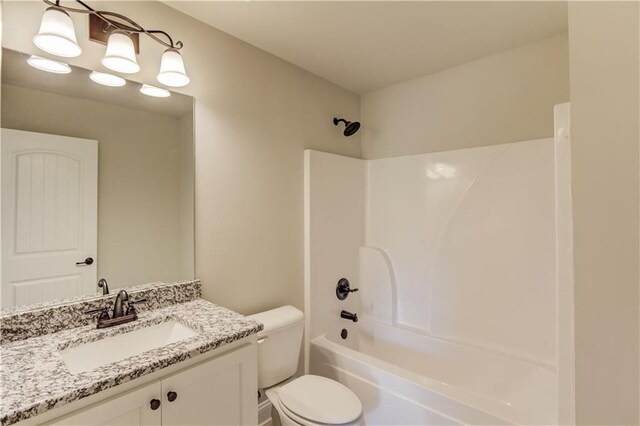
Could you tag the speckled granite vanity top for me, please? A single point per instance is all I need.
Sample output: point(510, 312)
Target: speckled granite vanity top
point(34, 377)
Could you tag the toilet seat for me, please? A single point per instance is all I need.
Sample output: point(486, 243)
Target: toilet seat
point(314, 400)
point(293, 416)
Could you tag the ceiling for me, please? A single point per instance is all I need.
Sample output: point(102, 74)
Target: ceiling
point(363, 46)
point(17, 72)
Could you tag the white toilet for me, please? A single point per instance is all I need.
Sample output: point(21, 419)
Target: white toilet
point(307, 400)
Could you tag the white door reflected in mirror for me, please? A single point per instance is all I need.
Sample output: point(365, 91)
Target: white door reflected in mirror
point(49, 217)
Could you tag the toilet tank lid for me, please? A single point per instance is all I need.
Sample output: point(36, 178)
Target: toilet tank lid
point(278, 319)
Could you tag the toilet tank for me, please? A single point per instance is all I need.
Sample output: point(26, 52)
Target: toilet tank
point(278, 344)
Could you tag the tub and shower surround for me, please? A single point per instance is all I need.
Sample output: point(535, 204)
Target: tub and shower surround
point(455, 257)
point(469, 239)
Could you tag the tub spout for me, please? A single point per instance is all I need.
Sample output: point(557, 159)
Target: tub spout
point(348, 315)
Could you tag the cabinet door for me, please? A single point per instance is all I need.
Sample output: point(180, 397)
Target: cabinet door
point(222, 391)
point(130, 409)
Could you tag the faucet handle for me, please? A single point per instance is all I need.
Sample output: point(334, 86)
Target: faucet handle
point(131, 308)
point(104, 313)
point(343, 288)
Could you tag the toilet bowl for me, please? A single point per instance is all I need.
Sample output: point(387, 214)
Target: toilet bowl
point(315, 400)
point(307, 400)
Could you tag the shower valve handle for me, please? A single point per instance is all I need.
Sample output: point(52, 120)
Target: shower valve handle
point(343, 288)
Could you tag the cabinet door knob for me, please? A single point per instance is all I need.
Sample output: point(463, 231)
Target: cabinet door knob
point(172, 396)
point(155, 404)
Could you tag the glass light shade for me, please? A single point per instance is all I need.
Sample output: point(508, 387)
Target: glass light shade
point(57, 35)
point(121, 54)
point(154, 91)
point(49, 65)
point(172, 72)
point(107, 79)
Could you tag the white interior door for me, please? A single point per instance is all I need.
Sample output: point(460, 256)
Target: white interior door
point(49, 216)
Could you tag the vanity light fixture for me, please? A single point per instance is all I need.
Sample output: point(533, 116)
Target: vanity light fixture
point(107, 79)
point(172, 72)
point(57, 34)
point(121, 55)
point(156, 92)
point(121, 35)
point(48, 65)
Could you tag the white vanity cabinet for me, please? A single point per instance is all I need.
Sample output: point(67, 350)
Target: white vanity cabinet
point(219, 391)
point(214, 393)
point(129, 409)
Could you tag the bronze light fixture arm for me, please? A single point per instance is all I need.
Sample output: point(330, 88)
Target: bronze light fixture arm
point(111, 19)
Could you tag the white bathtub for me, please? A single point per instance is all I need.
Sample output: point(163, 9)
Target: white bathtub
point(407, 378)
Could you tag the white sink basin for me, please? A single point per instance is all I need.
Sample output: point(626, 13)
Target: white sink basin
point(102, 352)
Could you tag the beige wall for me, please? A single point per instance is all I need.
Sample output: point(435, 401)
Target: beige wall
point(139, 221)
point(604, 50)
point(502, 98)
point(255, 114)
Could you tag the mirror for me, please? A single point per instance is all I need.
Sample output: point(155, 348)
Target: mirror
point(97, 183)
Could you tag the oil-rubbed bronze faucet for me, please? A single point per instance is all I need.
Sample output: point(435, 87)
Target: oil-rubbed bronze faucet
point(122, 296)
point(104, 286)
point(120, 316)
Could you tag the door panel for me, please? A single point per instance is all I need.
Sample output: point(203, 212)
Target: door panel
point(29, 291)
point(49, 216)
point(48, 192)
point(218, 392)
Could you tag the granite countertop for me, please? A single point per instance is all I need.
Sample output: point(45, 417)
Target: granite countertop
point(35, 379)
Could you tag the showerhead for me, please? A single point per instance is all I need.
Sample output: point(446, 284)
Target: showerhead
point(350, 127)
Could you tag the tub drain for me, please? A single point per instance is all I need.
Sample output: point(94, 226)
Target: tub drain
point(344, 333)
